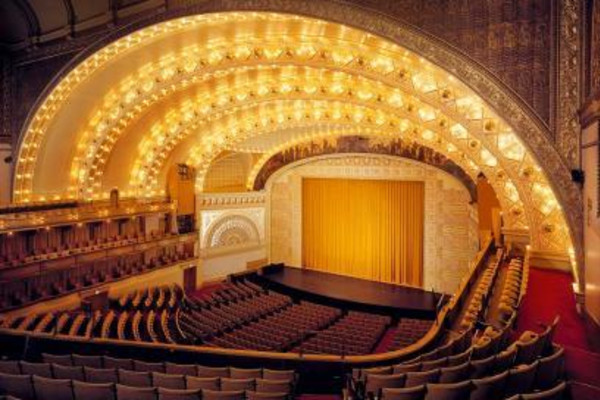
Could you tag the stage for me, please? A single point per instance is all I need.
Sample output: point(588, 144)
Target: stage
point(355, 293)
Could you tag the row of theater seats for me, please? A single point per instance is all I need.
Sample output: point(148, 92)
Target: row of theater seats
point(68, 377)
point(490, 368)
point(279, 330)
point(478, 301)
point(409, 331)
point(55, 283)
point(353, 334)
point(514, 288)
point(44, 253)
point(153, 298)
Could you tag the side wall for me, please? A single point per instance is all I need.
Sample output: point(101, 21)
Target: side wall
point(451, 227)
point(591, 166)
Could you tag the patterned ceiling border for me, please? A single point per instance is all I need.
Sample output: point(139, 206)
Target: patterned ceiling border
point(507, 104)
point(360, 144)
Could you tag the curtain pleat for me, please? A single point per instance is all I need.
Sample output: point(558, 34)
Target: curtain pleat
point(371, 229)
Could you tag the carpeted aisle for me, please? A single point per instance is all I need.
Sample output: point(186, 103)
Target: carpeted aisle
point(550, 293)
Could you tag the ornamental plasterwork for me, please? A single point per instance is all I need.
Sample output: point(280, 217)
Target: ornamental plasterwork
point(231, 231)
point(569, 56)
point(210, 219)
point(220, 200)
point(514, 112)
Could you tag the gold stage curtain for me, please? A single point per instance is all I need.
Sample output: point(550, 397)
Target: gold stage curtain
point(371, 229)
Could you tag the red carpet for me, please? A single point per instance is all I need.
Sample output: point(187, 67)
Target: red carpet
point(549, 294)
point(386, 340)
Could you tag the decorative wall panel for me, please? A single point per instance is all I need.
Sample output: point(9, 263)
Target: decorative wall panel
point(451, 238)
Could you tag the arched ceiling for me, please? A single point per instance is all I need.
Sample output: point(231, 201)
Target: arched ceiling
point(188, 89)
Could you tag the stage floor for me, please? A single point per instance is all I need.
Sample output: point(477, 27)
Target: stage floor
point(406, 300)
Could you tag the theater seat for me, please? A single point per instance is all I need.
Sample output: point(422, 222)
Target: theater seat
point(521, 379)
point(66, 372)
point(211, 372)
point(222, 395)
point(60, 359)
point(455, 374)
point(245, 373)
point(10, 367)
point(273, 386)
point(556, 393)
point(420, 378)
point(179, 394)
point(266, 396)
point(193, 382)
point(20, 386)
point(101, 375)
point(87, 361)
point(448, 391)
point(111, 362)
point(374, 383)
point(168, 381)
point(274, 374)
point(148, 366)
point(136, 393)
point(52, 389)
point(231, 384)
point(39, 369)
point(411, 393)
point(180, 369)
point(550, 370)
point(94, 391)
point(134, 378)
point(489, 388)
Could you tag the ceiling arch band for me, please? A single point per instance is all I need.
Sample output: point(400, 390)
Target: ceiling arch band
point(370, 70)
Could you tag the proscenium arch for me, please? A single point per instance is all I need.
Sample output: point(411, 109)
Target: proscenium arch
point(513, 111)
point(357, 144)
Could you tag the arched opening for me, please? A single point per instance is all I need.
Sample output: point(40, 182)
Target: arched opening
point(186, 90)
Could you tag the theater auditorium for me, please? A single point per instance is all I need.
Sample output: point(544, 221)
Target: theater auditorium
point(299, 199)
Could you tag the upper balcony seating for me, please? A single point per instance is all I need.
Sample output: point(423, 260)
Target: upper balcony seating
point(409, 331)
point(59, 282)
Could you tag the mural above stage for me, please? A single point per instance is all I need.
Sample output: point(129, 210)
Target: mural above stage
point(360, 144)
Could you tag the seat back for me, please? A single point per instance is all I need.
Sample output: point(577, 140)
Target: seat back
point(211, 372)
point(39, 369)
point(521, 379)
point(61, 359)
point(20, 386)
point(448, 391)
point(101, 375)
point(65, 372)
point(136, 393)
point(273, 386)
point(10, 367)
point(222, 395)
point(180, 369)
point(179, 394)
point(168, 381)
point(550, 370)
point(374, 383)
point(87, 361)
point(489, 388)
point(194, 382)
point(456, 373)
point(52, 389)
point(94, 391)
point(122, 363)
point(134, 378)
point(144, 366)
point(231, 384)
point(555, 393)
point(421, 378)
point(411, 393)
point(245, 373)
